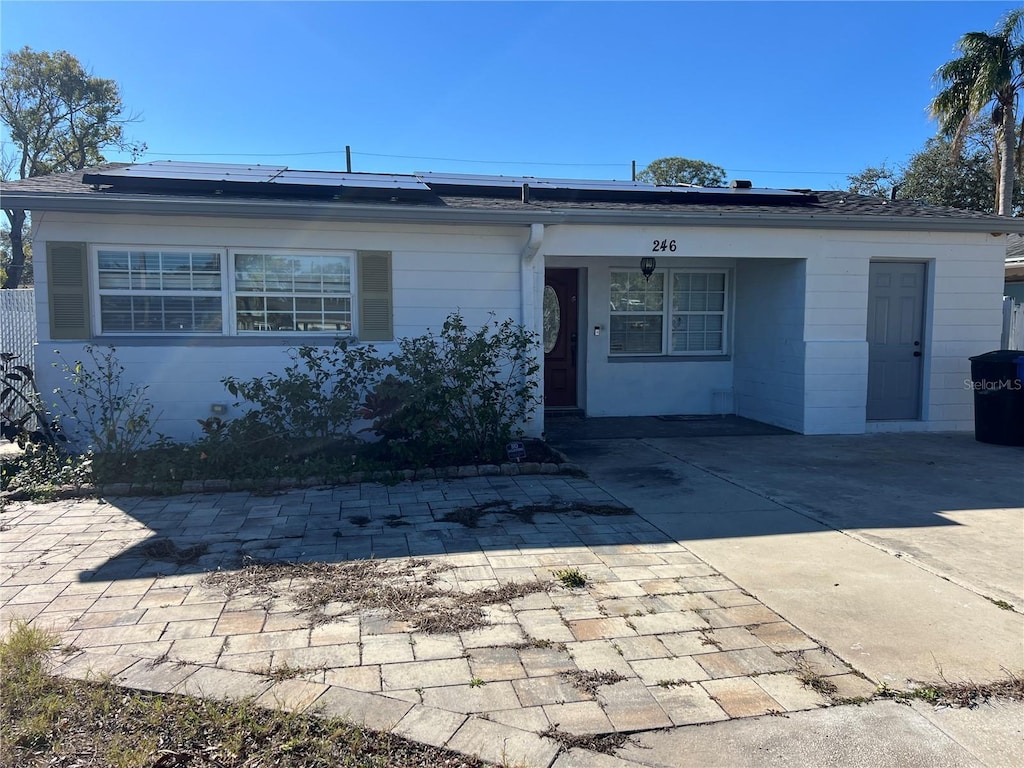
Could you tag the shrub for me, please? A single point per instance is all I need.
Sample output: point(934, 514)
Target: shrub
point(317, 397)
point(462, 394)
point(114, 414)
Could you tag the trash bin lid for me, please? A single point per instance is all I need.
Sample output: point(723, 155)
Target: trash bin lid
point(1000, 356)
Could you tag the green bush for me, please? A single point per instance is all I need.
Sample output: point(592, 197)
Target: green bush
point(458, 396)
point(317, 397)
point(114, 416)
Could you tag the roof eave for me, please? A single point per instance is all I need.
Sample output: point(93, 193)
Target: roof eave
point(307, 209)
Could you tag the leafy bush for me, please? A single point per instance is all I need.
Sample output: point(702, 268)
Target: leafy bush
point(460, 395)
point(317, 397)
point(114, 414)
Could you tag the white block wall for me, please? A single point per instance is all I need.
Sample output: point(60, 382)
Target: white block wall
point(436, 271)
point(769, 368)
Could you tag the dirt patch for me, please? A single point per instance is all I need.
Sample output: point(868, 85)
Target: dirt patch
point(409, 591)
point(166, 550)
point(470, 517)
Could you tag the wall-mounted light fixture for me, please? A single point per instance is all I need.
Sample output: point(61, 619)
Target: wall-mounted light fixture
point(647, 265)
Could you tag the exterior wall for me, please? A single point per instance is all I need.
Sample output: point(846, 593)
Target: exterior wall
point(769, 367)
point(797, 353)
point(436, 270)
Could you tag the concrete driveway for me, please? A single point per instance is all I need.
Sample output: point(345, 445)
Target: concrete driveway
point(899, 552)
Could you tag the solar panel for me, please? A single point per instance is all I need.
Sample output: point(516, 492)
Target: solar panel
point(469, 180)
point(179, 171)
point(350, 180)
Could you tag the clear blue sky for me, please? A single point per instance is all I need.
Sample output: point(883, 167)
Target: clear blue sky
point(787, 94)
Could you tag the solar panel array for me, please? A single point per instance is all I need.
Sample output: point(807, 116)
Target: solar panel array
point(175, 176)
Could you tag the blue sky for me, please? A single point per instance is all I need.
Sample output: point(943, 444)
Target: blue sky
point(793, 94)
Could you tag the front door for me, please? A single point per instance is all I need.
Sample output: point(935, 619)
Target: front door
point(895, 320)
point(560, 337)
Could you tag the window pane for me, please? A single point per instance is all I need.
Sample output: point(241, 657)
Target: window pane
point(114, 279)
point(716, 282)
point(248, 272)
point(639, 334)
point(716, 301)
point(698, 282)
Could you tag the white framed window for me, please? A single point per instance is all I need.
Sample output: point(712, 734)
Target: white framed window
point(143, 290)
point(153, 291)
point(676, 312)
point(279, 291)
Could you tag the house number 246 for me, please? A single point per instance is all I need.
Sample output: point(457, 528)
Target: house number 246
point(660, 246)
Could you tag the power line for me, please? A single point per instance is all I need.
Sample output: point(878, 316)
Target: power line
point(465, 160)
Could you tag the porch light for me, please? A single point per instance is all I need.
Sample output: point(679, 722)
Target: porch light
point(647, 265)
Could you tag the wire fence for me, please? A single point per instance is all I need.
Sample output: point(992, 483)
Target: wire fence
point(18, 324)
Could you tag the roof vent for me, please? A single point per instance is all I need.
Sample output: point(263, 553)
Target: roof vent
point(526, 193)
point(740, 184)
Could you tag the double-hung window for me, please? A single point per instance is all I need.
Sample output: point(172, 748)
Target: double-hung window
point(228, 292)
point(676, 312)
point(292, 292)
point(158, 291)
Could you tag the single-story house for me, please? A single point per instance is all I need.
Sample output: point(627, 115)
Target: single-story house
point(820, 312)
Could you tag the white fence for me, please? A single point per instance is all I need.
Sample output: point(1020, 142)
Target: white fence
point(18, 323)
point(1013, 325)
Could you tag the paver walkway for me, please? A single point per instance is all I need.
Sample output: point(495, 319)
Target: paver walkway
point(677, 642)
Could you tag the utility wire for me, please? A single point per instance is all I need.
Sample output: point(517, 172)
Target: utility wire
point(463, 160)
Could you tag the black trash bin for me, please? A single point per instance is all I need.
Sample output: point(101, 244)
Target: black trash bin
point(998, 382)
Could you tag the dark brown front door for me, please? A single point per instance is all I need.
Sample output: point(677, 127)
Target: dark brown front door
point(560, 337)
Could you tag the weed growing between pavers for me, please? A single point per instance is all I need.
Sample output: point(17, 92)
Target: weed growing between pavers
point(605, 743)
point(571, 578)
point(47, 721)
point(402, 590)
point(589, 681)
point(967, 694)
point(470, 516)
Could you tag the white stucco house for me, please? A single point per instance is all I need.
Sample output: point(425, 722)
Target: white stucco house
point(819, 312)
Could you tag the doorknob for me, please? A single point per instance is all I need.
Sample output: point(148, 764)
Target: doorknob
point(917, 353)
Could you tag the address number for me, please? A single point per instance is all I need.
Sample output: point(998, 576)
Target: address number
point(660, 246)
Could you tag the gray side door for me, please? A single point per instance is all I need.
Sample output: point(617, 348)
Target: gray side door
point(895, 321)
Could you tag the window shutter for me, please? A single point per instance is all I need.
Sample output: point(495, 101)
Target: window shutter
point(68, 290)
point(375, 310)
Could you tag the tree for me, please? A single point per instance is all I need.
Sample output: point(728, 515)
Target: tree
point(877, 181)
point(938, 176)
point(987, 74)
point(680, 170)
point(60, 118)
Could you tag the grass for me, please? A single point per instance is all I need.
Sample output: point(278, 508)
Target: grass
point(407, 591)
point(47, 721)
point(571, 578)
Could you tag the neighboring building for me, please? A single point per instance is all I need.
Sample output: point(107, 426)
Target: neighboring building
point(820, 312)
point(1014, 275)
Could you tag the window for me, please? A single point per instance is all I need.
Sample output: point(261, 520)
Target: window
point(676, 312)
point(291, 292)
point(151, 291)
point(159, 291)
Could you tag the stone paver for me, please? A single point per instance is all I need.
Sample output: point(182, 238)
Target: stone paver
point(651, 612)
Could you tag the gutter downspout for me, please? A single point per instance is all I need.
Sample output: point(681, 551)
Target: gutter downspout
point(532, 311)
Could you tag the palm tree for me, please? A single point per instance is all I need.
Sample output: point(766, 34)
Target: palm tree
point(988, 73)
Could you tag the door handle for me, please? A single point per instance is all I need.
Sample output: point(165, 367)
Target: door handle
point(572, 347)
point(917, 353)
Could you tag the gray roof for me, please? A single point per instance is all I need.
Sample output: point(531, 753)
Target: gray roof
point(834, 209)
